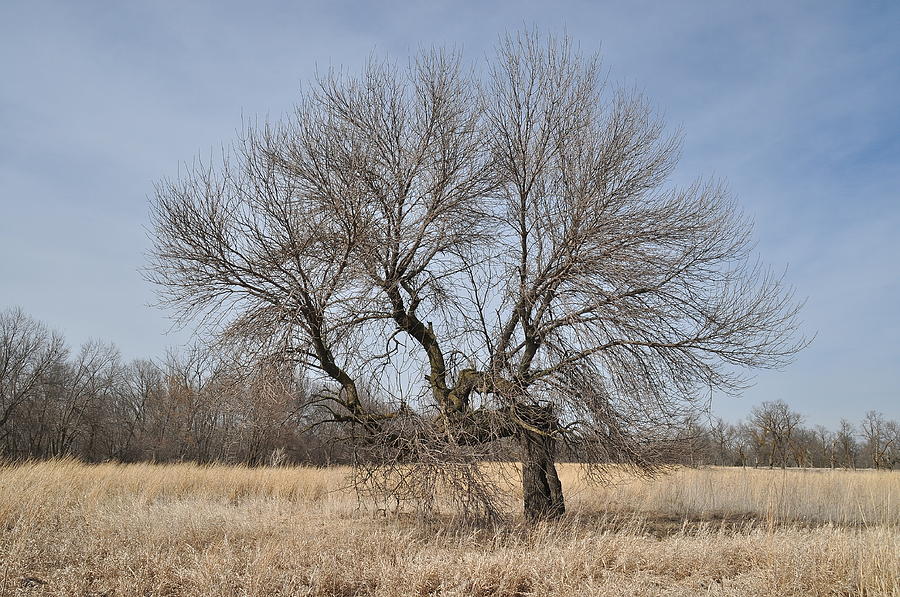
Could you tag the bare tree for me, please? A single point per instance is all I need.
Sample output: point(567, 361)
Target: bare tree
point(803, 446)
point(776, 426)
point(880, 436)
point(724, 436)
point(80, 396)
point(459, 263)
point(892, 441)
point(827, 445)
point(744, 442)
point(262, 410)
point(28, 352)
point(845, 439)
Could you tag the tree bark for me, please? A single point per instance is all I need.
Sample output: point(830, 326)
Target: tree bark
point(541, 488)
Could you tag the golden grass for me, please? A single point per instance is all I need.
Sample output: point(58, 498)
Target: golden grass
point(72, 529)
point(841, 497)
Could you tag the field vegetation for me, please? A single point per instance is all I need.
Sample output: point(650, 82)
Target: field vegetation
point(68, 528)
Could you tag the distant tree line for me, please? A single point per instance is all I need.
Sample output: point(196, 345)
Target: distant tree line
point(91, 404)
point(774, 435)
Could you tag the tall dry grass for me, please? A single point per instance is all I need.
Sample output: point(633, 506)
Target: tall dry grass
point(840, 497)
point(72, 529)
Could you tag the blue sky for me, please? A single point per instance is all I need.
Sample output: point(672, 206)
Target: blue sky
point(796, 104)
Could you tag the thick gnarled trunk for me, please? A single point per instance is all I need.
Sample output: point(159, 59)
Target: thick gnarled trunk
point(541, 488)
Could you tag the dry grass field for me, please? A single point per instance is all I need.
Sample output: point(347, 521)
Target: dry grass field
point(152, 530)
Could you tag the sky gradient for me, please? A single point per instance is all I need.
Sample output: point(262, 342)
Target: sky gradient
point(796, 105)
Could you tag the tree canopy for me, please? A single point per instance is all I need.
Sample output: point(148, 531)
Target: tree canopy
point(460, 257)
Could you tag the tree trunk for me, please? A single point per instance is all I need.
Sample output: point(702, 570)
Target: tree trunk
point(541, 488)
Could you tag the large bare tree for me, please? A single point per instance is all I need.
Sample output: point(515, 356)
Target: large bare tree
point(463, 260)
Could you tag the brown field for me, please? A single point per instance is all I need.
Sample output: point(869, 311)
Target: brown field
point(73, 529)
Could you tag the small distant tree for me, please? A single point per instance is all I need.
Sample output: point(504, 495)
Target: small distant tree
point(140, 386)
point(845, 441)
point(723, 436)
point(776, 426)
point(460, 264)
point(879, 436)
point(745, 444)
point(803, 447)
point(28, 353)
point(892, 433)
point(262, 409)
point(827, 446)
